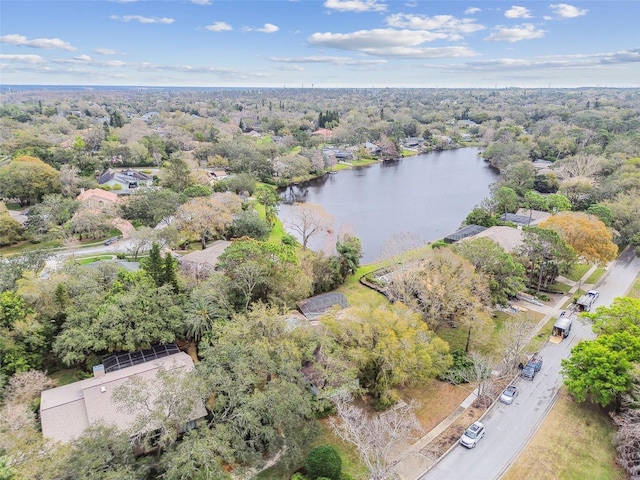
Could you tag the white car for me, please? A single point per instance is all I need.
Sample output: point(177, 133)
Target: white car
point(509, 394)
point(472, 435)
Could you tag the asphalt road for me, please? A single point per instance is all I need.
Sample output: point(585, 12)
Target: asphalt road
point(509, 427)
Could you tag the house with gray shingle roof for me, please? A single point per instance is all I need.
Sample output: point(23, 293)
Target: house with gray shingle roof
point(66, 411)
point(124, 181)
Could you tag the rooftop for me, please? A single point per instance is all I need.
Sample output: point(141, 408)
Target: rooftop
point(67, 410)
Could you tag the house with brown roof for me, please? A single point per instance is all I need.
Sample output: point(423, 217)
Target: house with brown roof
point(203, 262)
point(508, 238)
point(66, 411)
point(97, 195)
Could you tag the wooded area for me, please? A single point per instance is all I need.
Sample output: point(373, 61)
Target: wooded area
point(214, 159)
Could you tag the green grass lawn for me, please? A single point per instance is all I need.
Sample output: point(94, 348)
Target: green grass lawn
point(577, 271)
point(541, 337)
point(68, 375)
point(561, 287)
point(488, 344)
point(363, 162)
point(26, 245)
point(350, 461)
point(596, 275)
point(87, 260)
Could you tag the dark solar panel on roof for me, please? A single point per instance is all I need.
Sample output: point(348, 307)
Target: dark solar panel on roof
point(464, 232)
point(118, 361)
point(320, 304)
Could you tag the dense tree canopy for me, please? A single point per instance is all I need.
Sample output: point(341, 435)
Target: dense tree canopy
point(134, 314)
point(506, 275)
point(28, 179)
point(586, 234)
point(390, 347)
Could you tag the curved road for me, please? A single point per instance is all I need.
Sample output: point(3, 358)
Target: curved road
point(509, 427)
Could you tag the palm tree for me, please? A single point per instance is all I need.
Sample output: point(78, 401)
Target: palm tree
point(199, 316)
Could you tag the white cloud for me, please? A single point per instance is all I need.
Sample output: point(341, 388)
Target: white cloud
point(372, 39)
point(355, 5)
point(267, 28)
point(444, 23)
point(517, 12)
point(21, 58)
point(525, 31)
point(201, 2)
point(567, 11)
point(45, 43)
point(390, 42)
point(105, 51)
point(141, 19)
point(82, 58)
point(290, 68)
point(472, 10)
point(219, 27)
point(326, 59)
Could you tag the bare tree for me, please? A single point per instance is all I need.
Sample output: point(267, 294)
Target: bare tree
point(587, 166)
point(627, 438)
point(376, 437)
point(308, 220)
point(69, 180)
point(479, 373)
point(515, 335)
point(25, 387)
point(141, 240)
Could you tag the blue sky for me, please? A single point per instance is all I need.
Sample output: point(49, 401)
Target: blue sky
point(325, 43)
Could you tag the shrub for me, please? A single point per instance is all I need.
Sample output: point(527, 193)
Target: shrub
point(323, 461)
point(455, 374)
point(346, 476)
point(386, 400)
point(298, 476)
point(290, 240)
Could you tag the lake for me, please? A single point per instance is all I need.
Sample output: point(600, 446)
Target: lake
point(420, 199)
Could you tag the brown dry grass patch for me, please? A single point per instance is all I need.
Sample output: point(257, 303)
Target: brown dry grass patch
point(452, 434)
point(573, 443)
point(436, 401)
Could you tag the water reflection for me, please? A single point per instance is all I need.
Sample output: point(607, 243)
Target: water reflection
point(427, 196)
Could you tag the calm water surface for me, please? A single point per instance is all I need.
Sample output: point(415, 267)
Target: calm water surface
point(425, 197)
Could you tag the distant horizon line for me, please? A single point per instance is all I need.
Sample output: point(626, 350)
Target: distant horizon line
point(122, 87)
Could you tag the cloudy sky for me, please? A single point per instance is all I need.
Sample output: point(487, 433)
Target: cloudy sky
point(320, 43)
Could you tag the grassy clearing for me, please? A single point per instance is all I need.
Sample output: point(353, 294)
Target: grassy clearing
point(67, 376)
point(27, 245)
point(348, 454)
point(573, 443)
point(541, 337)
point(561, 287)
point(86, 261)
point(408, 153)
point(363, 162)
point(436, 401)
point(577, 271)
point(596, 275)
point(489, 343)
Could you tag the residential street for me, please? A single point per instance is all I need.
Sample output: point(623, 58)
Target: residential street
point(509, 427)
